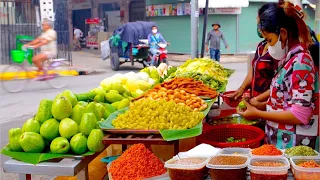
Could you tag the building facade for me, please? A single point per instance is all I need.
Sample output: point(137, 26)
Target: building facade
point(238, 26)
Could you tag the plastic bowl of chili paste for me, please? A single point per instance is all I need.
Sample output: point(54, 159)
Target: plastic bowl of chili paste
point(228, 167)
point(305, 167)
point(269, 168)
point(187, 168)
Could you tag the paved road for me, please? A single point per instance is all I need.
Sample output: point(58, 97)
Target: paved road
point(15, 108)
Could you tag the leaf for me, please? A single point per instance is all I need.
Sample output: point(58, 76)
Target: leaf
point(36, 158)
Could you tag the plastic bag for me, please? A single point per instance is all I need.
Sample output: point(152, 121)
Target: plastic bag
point(105, 49)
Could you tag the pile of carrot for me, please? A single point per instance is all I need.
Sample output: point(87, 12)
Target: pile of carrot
point(136, 163)
point(267, 150)
point(309, 164)
point(189, 85)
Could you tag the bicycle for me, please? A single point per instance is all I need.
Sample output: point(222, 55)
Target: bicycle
point(16, 75)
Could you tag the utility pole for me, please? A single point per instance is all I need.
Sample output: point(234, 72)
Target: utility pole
point(194, 28)
point(317, 19)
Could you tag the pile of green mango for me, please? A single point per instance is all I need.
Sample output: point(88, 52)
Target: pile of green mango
point(67, 124)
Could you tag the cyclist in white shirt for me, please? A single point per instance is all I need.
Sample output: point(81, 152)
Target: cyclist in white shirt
point(47, 42)
point(77, 35)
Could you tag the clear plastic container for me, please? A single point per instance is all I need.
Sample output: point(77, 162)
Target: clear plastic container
point(228, 172)
point(266, 173)
point(235, 151)
point(301, 173)
point(187, 172)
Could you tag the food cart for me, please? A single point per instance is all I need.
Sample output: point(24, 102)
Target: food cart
point(93, 25)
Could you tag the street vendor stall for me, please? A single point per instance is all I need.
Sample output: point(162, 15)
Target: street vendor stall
point(93, 25)
point(156, 106)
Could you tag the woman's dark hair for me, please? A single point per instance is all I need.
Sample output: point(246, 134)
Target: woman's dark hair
point(274, 16)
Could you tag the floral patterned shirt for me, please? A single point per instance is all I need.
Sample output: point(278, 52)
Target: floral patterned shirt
point(295, 83)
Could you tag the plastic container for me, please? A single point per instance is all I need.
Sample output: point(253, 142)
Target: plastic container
point(261, 156)
point(20, 41)
point(217, 135)
point(18, 56)
point(301, 173)
point(235, 151)
point(269, 173)
point(187, 172)
point(228, 172)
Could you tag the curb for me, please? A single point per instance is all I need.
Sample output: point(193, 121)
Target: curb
point(32, 74)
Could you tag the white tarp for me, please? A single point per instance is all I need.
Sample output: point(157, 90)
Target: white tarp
point(223, 3)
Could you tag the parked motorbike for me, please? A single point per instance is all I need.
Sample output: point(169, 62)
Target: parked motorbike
point(161, 56)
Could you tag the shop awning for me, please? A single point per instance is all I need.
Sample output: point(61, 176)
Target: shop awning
point(224, 3)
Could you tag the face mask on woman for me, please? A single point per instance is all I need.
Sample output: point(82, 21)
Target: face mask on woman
point(276, 51)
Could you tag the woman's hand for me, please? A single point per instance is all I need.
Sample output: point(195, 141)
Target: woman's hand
point(251, 113)
point(256, 103)
point(237, 94)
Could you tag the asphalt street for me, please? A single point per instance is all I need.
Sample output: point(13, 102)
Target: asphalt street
point(16, 108)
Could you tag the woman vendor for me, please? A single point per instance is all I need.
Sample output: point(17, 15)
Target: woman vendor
point(293, 106)
point(260, 73)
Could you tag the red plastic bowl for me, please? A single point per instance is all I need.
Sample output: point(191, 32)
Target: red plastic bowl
point(217, 135)
point(230, 101)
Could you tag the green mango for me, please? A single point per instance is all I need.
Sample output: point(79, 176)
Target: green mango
point(110, 108)
point(94, 142)
point(78, 143)
point(99, 98)
point(70, 96)
point(114, 91)
point(61, 108)
point(88, 123)
point(113, 97)
point(115, 104)
point(78, 111)
point(123, 103)
point(85, 96)
point(44, 111)
point(14, 136)
point(100, 110)
point(97, 91)
point(118, 87)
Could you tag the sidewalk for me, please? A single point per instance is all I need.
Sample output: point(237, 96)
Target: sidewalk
point(89, 62)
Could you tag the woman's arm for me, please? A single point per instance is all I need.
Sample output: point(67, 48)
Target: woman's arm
point(263, 97)
point(244, 86)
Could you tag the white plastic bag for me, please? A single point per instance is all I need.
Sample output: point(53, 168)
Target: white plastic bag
point(105, 49)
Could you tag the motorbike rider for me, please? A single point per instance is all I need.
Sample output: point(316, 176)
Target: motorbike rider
point(154, 39)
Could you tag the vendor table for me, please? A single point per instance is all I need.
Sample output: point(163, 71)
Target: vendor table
point(77, 166)
point(146, 139)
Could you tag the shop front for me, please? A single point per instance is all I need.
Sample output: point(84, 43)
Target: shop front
point(237, 24)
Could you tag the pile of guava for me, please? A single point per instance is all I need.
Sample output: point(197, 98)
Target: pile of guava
point(62, 126)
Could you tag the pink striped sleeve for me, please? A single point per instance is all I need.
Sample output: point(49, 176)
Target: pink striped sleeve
point(302, 113)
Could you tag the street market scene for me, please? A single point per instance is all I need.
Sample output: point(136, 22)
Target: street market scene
point(159, 89)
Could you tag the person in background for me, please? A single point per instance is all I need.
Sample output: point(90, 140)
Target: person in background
point(260, 74)
point(77, 34)
point(292, 110)
point(47, 42)
point(154, 39)
point(214, 37)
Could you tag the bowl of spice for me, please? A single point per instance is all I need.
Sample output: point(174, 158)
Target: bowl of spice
point(266, 150)
point(229, 167)
point(263, 168)
point(305, 167)
point(187, 168)
point(300, 151)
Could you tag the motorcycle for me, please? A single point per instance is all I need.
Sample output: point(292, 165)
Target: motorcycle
point(161, 56)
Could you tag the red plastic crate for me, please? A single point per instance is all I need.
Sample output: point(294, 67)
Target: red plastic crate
point(217, 135)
